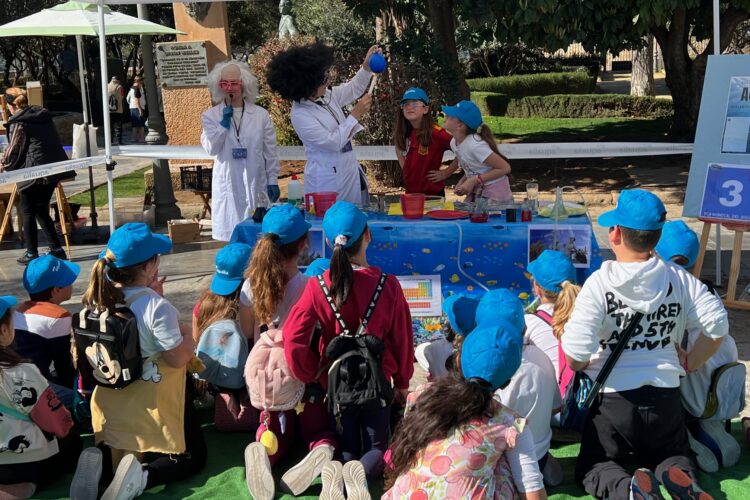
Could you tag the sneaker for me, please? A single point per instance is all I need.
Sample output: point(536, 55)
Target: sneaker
point(712, 434)
point(681, 486)
point(27, 257)
point(355, 481)
point(644, 486)
point(258, 472)
point(85, 484)
point(703, 455)
point(297, 479)
point(552, 472)
point(129, 481)
point(17, 491)
point(333, 482)
point(58, 252)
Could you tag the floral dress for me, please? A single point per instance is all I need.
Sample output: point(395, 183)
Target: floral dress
point(468, 464)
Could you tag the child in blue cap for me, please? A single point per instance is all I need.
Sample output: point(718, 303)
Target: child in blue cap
point(420, 144)
point(458, 450)
point(634, 423)
point(43, 326)
point(152, 417)
point(352, 282)
point(273, 285)
point(553, 283)
point(714, 392)
point(485, 169)
point(37, 439)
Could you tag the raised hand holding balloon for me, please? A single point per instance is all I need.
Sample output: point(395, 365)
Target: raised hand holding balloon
point(377, 66)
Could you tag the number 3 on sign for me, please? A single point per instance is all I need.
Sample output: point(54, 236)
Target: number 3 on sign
point(723, 195)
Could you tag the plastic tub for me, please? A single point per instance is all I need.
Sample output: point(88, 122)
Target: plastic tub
point(412, 205)
point(323, 201)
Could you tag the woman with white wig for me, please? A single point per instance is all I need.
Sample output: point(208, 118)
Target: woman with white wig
point(241, 138)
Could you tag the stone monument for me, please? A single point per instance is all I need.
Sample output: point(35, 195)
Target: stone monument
point(287, 28)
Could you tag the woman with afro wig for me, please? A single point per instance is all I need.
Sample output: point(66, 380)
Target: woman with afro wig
point(302, 74)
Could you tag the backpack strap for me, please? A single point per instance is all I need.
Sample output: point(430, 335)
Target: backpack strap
point(370, 307)
point(544, 316)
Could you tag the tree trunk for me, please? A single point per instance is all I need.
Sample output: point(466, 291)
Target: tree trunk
point(379, 24)
point(442, 20)
point(642, 78)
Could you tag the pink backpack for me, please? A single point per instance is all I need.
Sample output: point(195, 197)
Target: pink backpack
point(566, 374)
point(269, 381)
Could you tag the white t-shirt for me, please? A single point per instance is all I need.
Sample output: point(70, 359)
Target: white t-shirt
point(533, 393)
point(157, 319)
point(292, 293)
point(524, 466)
point(133, 102)
point(672, 301)
point(471, 154)
point(540, 334)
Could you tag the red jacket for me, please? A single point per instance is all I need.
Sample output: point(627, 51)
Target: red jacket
point(390, 321)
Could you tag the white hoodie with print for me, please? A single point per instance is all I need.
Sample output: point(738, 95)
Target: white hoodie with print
point(671, 300)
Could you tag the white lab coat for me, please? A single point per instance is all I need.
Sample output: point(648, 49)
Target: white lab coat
point(235, 182)
point(327, 168)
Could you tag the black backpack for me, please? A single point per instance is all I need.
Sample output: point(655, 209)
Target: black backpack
point(108, 346)
point(356, 381)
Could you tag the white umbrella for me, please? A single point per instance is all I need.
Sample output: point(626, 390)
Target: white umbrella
point(80, 19)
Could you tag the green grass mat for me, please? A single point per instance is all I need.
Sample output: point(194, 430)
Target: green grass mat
point(224, 476)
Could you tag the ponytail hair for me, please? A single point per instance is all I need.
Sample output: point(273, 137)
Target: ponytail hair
point(105, 284)
point(341, 272)
point(267, 273)
point(485, 132)
point(214, 307)
point(564, 303)
point(431, 419)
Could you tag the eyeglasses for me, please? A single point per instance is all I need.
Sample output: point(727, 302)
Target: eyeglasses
point(412, 104)
point(230, 83)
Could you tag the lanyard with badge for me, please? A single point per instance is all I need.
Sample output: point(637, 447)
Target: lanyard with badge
point(327, 107)
point(239, 153)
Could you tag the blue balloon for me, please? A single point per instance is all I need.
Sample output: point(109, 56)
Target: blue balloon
point(377, 62)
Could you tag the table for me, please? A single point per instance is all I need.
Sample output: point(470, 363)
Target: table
point(470, 258)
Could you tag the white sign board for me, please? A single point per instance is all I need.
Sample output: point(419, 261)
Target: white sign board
point(182, 64)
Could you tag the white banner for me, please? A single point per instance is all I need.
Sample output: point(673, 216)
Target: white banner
point(27, 174)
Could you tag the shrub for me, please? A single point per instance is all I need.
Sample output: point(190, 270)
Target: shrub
point(576, 82)
point(491, 104)
point(589, 106)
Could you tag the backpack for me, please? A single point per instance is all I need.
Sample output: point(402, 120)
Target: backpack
point(108, 346)
point(356, 381)
point(112, 103)
point(269, 380)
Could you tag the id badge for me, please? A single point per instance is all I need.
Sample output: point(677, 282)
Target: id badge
point(347, 147)
point(239, 153)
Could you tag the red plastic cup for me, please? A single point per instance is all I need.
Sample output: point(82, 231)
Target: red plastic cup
point(412, 205)
point(479, 217)
point(323, 201)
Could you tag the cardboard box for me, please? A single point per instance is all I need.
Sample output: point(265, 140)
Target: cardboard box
point(183, 231)
point(35, 93)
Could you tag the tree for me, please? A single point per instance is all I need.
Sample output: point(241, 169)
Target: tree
point(251, 24)
point(616, 24)
point(642, 76)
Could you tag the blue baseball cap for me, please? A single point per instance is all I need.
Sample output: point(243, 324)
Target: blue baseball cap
point(461, 311)
point(317, 267)
point(48, 271)
point(467, 112)
point(636, 209)
point(134, 243)
point(6, 302)
point(550, 269)
point(415, 94)
point(231, 262)
point(286, 222)
point(346, 220)
point(500, 305)
point(677, 239)
point(492, 353)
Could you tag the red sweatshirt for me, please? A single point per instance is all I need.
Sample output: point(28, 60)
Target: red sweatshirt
point(390, 321)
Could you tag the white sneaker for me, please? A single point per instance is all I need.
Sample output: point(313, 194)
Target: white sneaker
point(703, 455)
point(297, 479)
point(129, 481)
point(333, 482)
point(258, 472)
point(355, 481)
point(85, 483)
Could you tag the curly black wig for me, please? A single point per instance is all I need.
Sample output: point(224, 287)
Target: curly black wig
point(297, 72)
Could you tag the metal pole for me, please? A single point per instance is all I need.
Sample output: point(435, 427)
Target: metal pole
point(86, 121)
point(717, 51)
point(105, 117)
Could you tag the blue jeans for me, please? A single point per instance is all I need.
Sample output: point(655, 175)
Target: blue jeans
point(364, 437)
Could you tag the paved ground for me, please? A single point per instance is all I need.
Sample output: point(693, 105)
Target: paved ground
point(618, 82)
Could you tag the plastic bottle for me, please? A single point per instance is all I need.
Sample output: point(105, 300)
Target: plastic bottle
point(295, 192)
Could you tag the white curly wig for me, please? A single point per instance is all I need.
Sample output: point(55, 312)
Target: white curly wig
point(249, 81)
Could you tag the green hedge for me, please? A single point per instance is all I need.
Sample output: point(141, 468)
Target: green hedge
point(491, 104)
point(589, 106)
point(573, 82)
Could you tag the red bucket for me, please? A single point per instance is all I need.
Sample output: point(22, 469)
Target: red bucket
point(412, 205)
point(323, 201)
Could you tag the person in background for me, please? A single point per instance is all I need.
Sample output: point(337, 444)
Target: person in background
point(34, 141)
point(115, 95)
point(241, 137)
point(137, 103)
